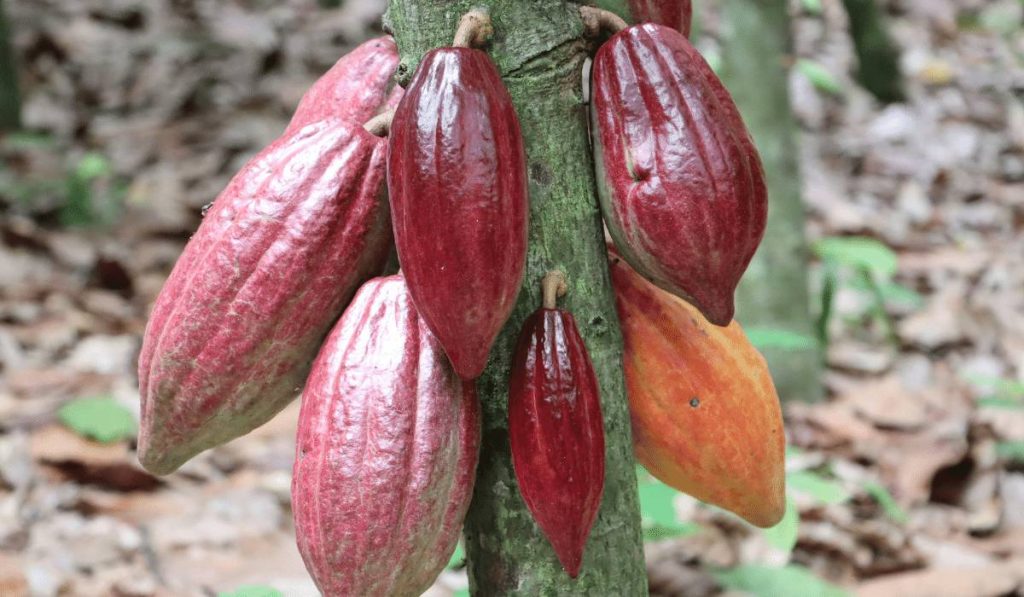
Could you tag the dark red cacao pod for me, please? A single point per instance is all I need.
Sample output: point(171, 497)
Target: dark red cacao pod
point(354, 89)
point(386, 454)
point(457, 183)
point(681, 183)
point(276, 259)
point(556, 433)
point(677, 14)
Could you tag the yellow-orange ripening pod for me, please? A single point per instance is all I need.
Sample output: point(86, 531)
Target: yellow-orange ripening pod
point(706, 419)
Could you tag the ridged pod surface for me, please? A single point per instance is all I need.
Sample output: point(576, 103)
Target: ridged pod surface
point(354, 89)
point(276, 259)
point(556, 433)
point(386, 453)
point(457, 183)
point(706, 419)
point(677, 14)
point(680, 181)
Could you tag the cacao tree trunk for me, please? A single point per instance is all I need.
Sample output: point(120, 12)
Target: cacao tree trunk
point(10, 105)
point(539, 49)
point(774, 292)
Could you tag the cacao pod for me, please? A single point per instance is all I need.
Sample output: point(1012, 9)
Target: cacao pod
point(706, 419)
point(556, 433)
point(353, 89)
point(273, 264)
point(681, 184)
point(386, 453)
point(457, 183)
point(677, 14)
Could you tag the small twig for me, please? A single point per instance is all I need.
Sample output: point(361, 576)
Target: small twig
point(553, 286)
point(380, 125)
point(597, 20)
point(474, 30)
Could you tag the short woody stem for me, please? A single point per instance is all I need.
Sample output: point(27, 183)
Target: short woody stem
point(474, 30)
point(597, 21)
point(380, 125)
point(553, 286)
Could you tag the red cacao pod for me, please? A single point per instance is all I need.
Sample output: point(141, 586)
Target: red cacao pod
point(273, 264)
point(556, 432)
point(353, 89)
point(677, 14)
point(457, 183)
point(681, 184)
point(386, 453)
point(706, 419)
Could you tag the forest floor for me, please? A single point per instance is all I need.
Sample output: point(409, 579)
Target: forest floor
point(908, 480)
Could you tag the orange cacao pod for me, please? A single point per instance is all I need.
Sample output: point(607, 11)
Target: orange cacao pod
point(706, 419)
point(386, 452)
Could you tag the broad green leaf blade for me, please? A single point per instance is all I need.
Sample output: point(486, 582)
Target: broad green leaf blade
point(765, 338)
point(812, 6)
point(101, 418)
point(1011, 451)
point(788, 581)
point(658, 512)
point(886, 501)
point(824, 490)
point(819, 76)
point(253, 591)
point(458, 558)
point(784, 535)
point(859, 253)
point(1000, 403)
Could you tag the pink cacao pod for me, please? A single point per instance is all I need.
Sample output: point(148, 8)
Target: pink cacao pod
point(273, 264)
point(677, 14)
point(556, 433)
point(457, 183)
point(680, 181)
point(386, 452)
point(354, 89)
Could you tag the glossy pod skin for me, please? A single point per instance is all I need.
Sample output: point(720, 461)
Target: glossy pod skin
point(556, 432)
point(681, 184)
point(354, 89)
point(457, 184)
point(706, 419)
point(386, 453)
point(676, 14)
point(276, 259)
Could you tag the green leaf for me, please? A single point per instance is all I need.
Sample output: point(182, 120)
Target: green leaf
point(858, 252)
point(27, 140)
point(819, 76)
point(658, 513)
point(829, 283)
point(894, 292)
point(92, 165)
point(458, 559)
point(788, 581)
point(1011, 451)
point(812, 6)
point(784, 535)
point(714, 60)
point(1000, 403)
point(886, 501)
point(813, 484)
point(461, 593)
point(100, 418)
point(765, 338)
point(253, 591)
point(1002, 388)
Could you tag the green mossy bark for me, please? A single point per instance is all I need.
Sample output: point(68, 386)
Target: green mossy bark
point(774, 291)
point(878, 58)
point(539, 48)
point(10, 105)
